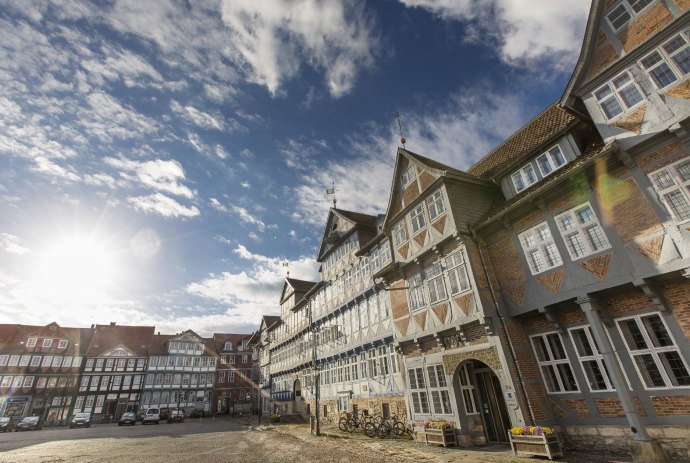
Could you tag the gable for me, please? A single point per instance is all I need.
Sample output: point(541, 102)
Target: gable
point(118, 351)
point(188, 336)
point(337, 226)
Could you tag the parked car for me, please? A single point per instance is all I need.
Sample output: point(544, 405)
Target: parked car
point(165, 413)
point(152, 415)
point(29, 423)
point(7, 423)
point(176, 416)
point(81, 420)
point(127, 418)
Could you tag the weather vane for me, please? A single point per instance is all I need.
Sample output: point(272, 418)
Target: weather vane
point(331, 191)
point(287, 265)
point(402, 139)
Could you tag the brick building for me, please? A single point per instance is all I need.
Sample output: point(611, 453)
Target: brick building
point(234, 388)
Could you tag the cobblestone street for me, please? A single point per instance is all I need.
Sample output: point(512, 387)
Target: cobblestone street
point(245, 442)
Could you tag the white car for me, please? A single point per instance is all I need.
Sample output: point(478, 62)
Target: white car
point(152, 415)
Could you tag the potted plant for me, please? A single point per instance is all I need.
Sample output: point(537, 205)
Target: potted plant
point(439, 432)
point(535, 440)
point(275, 418)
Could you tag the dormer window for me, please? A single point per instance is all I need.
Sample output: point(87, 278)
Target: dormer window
point(47, 342)
point(618, 96)
point(227, 346)
point(407, 177)
point(31, 342)
point(524, 177)
point(550, 161)
point(669, 62)
point(626, 10)
point(62, 344)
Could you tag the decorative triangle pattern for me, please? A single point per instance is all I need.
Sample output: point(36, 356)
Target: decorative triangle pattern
point(420, 318)
point(440, 224)
point(652, 248)
point(421, 238)
point(402, 325)
point(402, 250)
point(516, 293)
point(552, 281)
point(599, 266)
point(441, 311)
point(464, 302)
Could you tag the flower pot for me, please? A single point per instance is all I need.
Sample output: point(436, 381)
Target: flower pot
point(546, 445)
point(445, 436)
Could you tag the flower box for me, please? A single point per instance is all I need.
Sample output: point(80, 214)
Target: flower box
point(545, 445)
point(443, 436)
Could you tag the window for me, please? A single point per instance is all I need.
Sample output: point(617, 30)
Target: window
point(540, 249)
point(668, 63)
point(62, 343)
point(47, 342)
point(231, 359)
point(550, 161)
point(28, 381)
point(31, 342)
point(439, 390)
point(24, 361)
point(6, 381)
point(435, 204)
point(627, 9)
point(553, 363)
point(399, 233)
point(618, 95)
point(581, 232)
point(36, 361)
point(467, 389)
point(407, 177)
point(231, 376)
point(221, 376)
point(524, 178)
point(415, 292)
point(654, 352)
point(417, 218)
point(14, 360)
point(457, 273)
point(41, 383)
point(437, 288)
point(227, 346)
point(3, 360)
point(420, 398)
point(245, 358)
point(591, 360)
point(673, 185)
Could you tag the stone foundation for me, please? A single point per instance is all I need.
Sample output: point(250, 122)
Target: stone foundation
point(675, 440)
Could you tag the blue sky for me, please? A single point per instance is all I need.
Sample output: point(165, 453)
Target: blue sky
point(162, 160)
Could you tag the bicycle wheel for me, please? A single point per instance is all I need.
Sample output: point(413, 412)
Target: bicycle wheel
point(351, 425)
point(342, 424)
point(399, 428)
point(370, 429)
point(383, 430)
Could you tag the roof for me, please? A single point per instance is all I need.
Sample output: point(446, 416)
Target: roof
point(359, 218)
point(543, 128)
point(221, 338)
point(79, 339)
point(300, 285)
point(134, 338)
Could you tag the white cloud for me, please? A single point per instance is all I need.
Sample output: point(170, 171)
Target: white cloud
point(247, 217)
point(217, 205)
point(158, 174)
point(274, 37)
point(525, 31)
point(197, 117)
point(162, 205)
point(10, 243)
point(47, 167)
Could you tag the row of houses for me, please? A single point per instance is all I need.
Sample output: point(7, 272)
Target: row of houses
point(547, 284)
point(54, 372)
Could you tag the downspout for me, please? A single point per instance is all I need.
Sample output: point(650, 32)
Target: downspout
point(511, 348)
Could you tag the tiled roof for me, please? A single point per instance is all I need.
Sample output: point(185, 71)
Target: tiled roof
point(134, 338)
point(552, 121)
point(431, 163)
point(221, 338)
point(157, 345)
point(359, 218)
point(300, 285)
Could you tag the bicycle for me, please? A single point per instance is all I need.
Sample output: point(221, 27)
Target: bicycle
point(342, 422)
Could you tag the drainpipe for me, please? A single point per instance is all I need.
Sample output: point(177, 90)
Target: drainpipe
point(511, 348)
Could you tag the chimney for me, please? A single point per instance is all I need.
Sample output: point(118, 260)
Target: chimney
point(112, 323)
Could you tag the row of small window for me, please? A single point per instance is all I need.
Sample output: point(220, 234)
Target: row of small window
point(242, 345)
point(47, 342)
point(657, 359)
point(359, 315)
point(432, 208)
point(547, 163)
point(229, 375)
point(432, 283)
point(179, 378)
point(665, 66)
point(374, 363)
point(429, 382)
point(622, 13)
point(580, 230)
point(181, 361)
point(173, 398)
point(349, 245)
point(231, 359)
point(185, 347)
point(53, 361)
point(110, 383)
point(42, 382)
point(119, 364)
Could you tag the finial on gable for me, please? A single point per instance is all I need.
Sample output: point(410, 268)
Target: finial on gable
point(402, 138)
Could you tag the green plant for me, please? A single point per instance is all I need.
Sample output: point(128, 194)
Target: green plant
point(275, 418)
point(437, 425)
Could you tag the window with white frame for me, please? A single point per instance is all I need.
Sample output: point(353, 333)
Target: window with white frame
point(47, 342)
point(438, 389)
point(553, 363)
point(24, 361)
point(524, 177)
point(3, 360)
point(28, 381)
point(417, 218)
point(399, 233)
point(591, 360)
point(540, 249)
point(618, 95)
point(551, 160)
point(582, 232)
point(408, 176)
point(62, 343)
point(36, 361)
point(435, 283)
point(672, 183)
point(231, 376)
point(31, 342)
point(625, 11)
point(415, 292)
point(420, 398)
point(457, 273)
point(6, 381)
point(14, 360)
point(467, 390)
point(436, 205)
point(668, 63)
point(654, 352)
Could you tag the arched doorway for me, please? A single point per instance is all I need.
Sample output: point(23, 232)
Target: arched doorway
point(480, 397)
point(297, 397)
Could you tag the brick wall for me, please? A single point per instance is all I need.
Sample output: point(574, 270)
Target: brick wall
point(684, 5)
point(671, 405)
point(579, 407)
point(398, 295)
point(678, 297)
point(629, 302)
point(654, 156)
point(645, 26)
point(603, 58)
point(505, 262)
point(611, 407)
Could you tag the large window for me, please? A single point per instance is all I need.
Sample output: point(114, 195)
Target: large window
point(420, 398)
point(438, 389)
point(673, 185)
point(467, 389)
point(435, 204)
point(582, 232)
point(524, 178)
point(553, 363)
point(618, 95)
point(408, 177)
point(590, 358)
point(654, 352)
point(540, 249)
point(550, 161)
point(417, 218)
point(624, 11)
point(437, 288)
point(668, 63)
point(399, 233)
point(415, 292)
point(457, 273)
